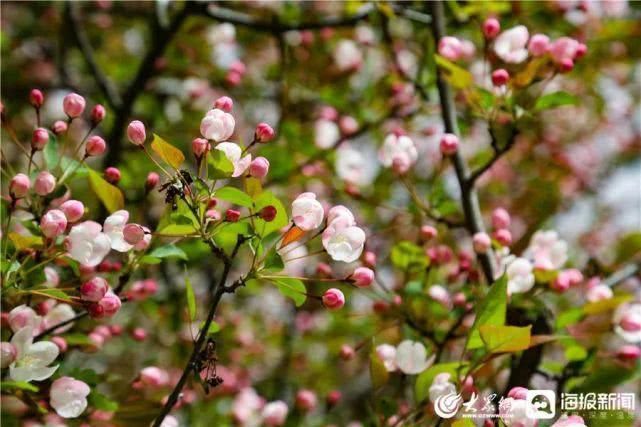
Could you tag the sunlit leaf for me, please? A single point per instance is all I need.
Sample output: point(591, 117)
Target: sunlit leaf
point(606, 304)
point(170, 154)
point(291, 288)
point(408, 256)
point(555, 99)
point(491, 311)
point(109, 195)
point(377, 371)
point(505, 339)
point(220, 165)
point(458, 77)
point(23, 242)
point(191, 298)
point(234, 195)
point(168, 251)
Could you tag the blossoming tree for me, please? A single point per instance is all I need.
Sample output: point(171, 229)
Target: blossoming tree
point(371, 214)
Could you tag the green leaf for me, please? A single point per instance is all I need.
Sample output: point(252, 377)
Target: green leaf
point(377, 371)
point(274, 262)
point(78, 339)
point(505, 339)
point(234, 195)
point(264, 228)
point(191, 298)
point(606, 304)
point(23, 242)
point(222, 167)
point(168, 251)
point(109, 195)
point(170, 154)
point(555, 99)
point(425, 378)
point(408, 256)
point(213, 328)
point(291, 288)
point(605, 378)
point(178, 229)
point(458, 77)
point(52, 293)
point(51, 152)
point(491, 311)
point(18, 385)
point(102, 402)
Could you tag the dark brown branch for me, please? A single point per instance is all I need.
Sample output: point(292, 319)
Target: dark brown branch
point(60, 325)
point(80, 36)
point(498, 153)
point(469, 198)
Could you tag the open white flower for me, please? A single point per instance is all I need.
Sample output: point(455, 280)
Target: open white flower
point(32, 359)
point(356, 166)
point(307, 212)
point(22, 316)
point(399, 151)
point(217, 125)
point(627, 322)
point(114, 225)
point(347, 55)
point(411, 357)
point(511, 45)
point(343, 241)
point(326, 133)
point(547, 250)
point(387, 354)
point(441, 386)
point(87, 244)
point(69, 397)
point(233, 153)
point(519, 275)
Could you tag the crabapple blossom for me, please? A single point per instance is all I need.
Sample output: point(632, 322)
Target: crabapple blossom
point(627, 322)
point(348, 125)
point(8, 353)
point(333, 397)
point(547, 250)
point(306, 400)
point(326, 133)
point(598, 292)
point(520, 276)
point(343, 241)
point(224, 103)
point(32, 359)
point(98, 114)
point(39, 139)
point(199, 147)
point(538, 45)
point(514, 413)
point(58, 314)
point(503, 236)
point(347, 352)
point(481, 242)
point(110, 303)
point(153, 179)
point(19, 186)
point(94, 290)
point(233, 153)
point(139, 334)
point(22, 316)
point(53, 223)
point(68, 397)
point(36, 98)
point(347, 56)
point(217, 125)
point(73, 105)
point(441, 295)
point(518, 393)
point(114, 227)
point(44, 184)
point(136, 133)
point(268, 213)
point(87, 244)
point(441, 386)
point(362, 277)
point(449, 144)
point(264, 133)
point(355, 166)
point(428, 232)
point(133, 233)
point(511, 44)
point(307, 212)
point(275, 413)
point(629, 352)
point(61, 343)
point(59, 127)
point(387, 354)
point(259, 167)
point(154, 377)
point(563, 48)
point(232, 215)
point(333, 299)
point(491, 28)
point(450, 48)
point(398, 150)
point(112, 175)
point(411, 357)
point(500, 218)
point(500, 77)
point(569, 421)
point(73, 209)
point(95, 146)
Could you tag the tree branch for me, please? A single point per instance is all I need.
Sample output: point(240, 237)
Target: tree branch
point(498, 153)
point(469, 198)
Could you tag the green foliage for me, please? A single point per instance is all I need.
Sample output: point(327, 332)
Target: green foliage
point(110, 195)
point(408, 256)
point(491, 311)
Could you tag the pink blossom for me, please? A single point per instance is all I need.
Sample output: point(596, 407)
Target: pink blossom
point(539, 44)
point(399, 151)
point(73, 105)
point(500, 77)
point(362, 277)
point(510, 45)
point(136, 132)
point(133, 233)
point(264, 133)
point(112, 175)
point(36, 98)
point(19, 186)
point(224, 103)
point(491, 28)
point(199, 147)
point(259, 167)
point(73, 209)
point(69, 397)
point(87, 244)
point(94, 290)
point(333, 299)
point(428, 232)
point(233, 153)
point(53, 223)
point(8, 353)
point(39, 139)
point(95, 146)
point(307, 212)
point(450, 48)
point(98, 114)
point(306, 400)
point(449, 144)
point(481, 242)
point(45, 183)
point(217, 125)
point(500, 218)
point(563, 48)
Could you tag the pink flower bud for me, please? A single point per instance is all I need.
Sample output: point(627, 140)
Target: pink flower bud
point(500, 218)
point(139, 334)
point(581, 50)
point(39, 139)
point(348, 125)
point(136, 132)
point(8, 353)
point(268, 213)
point(259, 167)
point(369, 258)
point(539, 44)
point(500, 77)
point(153, 179)
point(428, 232)
point(328, 113)
point(347, 352)
point(154, 377)
point(97, 340)
point(73, 209)
point(232, 215)
point(566, 65)
point(481, 242)
point(133, 233)
point(238, 67)
point(264, 133)
point(112, 175)
point(625, 352)
point(631, 322)
point(116, 330)
point(97, 114)
point(459, 299)
point(53, 223)
point(233, 78)
point(199, 147)
point(73, 105)
point(449, 144)
point(61, 343)
point(333, 299)
point(518, 393)
point(598, 293)
point(213, 214)
point(95, 146)
point(59, 127)
point(503, 236)
point(306, 400)
point(401, 164)
point(36, 98)
point(110, 303)
point(450, 48)
point(561, 282)
point(441, 295)
point(44, 184)
point(362, 277)
point(333, 397)
point(94, 290)
point(96, 311)
point(323, 269)
point(103, 330)
point(224, 103)
point(491, 28)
